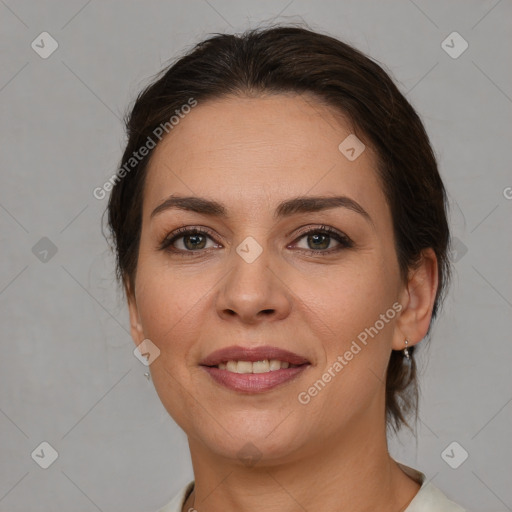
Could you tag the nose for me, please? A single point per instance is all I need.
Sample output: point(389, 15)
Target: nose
point(253, 292)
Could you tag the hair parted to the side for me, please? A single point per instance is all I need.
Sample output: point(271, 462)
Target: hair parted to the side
point(291, 59)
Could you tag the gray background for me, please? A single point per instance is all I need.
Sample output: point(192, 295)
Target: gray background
point(68, 374)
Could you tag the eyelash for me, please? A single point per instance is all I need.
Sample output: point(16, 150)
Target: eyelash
point(166, 244)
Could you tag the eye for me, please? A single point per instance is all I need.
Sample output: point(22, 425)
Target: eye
point(319, 240)
point(187, 241)
point(192, 241)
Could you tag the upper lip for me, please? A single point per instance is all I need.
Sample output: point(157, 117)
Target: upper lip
point(238, 353)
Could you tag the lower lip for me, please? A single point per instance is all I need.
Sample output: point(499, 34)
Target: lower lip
point(254, 382)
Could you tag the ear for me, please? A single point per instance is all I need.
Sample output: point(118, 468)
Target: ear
point(417, 300)
point(135, 325)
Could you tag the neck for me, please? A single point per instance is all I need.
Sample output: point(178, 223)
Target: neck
point(353, 472)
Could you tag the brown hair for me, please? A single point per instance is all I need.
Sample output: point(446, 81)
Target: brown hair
point(290, 59)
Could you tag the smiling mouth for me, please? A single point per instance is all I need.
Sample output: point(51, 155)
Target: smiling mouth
point(256, 376)
point(251, 370)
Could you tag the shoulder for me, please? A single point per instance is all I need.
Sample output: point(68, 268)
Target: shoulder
point(429, 498)
point(176, 504)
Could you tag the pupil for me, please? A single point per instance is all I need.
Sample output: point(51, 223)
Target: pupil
point(194, 239)
point(320, 241)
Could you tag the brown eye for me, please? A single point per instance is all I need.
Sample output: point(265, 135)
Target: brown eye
point(319, 240)
point(193, 241)
point(186, 241)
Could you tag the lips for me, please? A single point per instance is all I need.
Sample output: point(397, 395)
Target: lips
point(254, 370)
point(238, 353)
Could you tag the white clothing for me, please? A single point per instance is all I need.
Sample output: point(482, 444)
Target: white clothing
point(428, 499)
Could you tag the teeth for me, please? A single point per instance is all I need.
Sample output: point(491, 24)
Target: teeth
point(260, 366)
point(256, 367)
point(244, 367)
point(275, 364)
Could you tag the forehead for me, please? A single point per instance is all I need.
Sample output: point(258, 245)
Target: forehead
point(248, 150)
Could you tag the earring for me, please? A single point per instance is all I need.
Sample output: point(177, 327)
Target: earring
point(406, 351)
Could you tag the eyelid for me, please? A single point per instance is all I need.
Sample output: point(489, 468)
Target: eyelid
point(320, 228)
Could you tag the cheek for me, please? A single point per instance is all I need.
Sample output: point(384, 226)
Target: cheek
point(358, 318)
point(169, 308)
point(351, 301)
point(168, 302)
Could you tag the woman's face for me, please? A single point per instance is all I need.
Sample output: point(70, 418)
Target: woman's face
point(256, 278)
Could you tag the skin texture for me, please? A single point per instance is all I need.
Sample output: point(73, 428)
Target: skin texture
point(251, 153)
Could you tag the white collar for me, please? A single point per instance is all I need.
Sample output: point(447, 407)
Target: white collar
point(428, 499)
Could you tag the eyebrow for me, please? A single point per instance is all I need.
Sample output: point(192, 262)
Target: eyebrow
point(293, 206)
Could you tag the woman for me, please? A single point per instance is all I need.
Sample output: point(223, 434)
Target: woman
point(280, 230)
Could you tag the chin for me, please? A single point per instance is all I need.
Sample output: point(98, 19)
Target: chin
point(255, 441)
point(256, 451)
